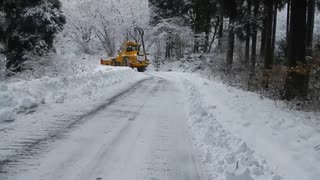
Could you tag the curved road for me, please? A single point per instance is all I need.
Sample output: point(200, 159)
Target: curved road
point(139, 134)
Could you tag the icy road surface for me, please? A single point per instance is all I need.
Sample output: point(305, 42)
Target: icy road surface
point(140, 133)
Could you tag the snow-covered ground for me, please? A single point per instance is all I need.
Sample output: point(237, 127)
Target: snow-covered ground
point(241, 130)
point(25, 96)
point(116, 123)
point(276, 141)
point(135, 124)
point(36, 110)
point(123, 132)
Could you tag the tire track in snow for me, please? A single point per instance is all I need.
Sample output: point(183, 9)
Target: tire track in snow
point(29, 147)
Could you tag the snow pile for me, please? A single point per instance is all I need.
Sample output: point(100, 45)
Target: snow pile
point(244, 135)
point(224, 155)
point(286, 138)
point(7, 115)
point(190, 64)
point(26, 96)
point(245, 175)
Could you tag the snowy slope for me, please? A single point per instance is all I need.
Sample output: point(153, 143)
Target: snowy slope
point(241, 131)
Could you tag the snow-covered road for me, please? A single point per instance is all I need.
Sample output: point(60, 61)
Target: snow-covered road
point(118, 124)
point(140, 133)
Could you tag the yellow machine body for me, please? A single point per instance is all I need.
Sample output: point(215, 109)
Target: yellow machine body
point(129, 55)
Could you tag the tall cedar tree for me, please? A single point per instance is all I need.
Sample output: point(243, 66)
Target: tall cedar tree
point(202, 12)
point(268, 60)
point(230, 10)
point(298, 76)
point(248, 32)
point(310, 26)
point(254, 36)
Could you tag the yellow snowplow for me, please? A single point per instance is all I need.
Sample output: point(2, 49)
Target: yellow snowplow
point(129, 55)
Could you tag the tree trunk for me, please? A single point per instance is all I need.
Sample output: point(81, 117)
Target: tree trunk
point(207, 29)
point(230, 49)
point(206, 43)
point(220, 31)
point(168, 51)
point(298, 77)
point(196, 44)
point(288, 30)
point(288, 19)
point(268, 60)
point(214, 33)
point(274, 31)
point(310, 26)
point(254, 40)
point(248, 35)
point(263, 33)
point(253, 51)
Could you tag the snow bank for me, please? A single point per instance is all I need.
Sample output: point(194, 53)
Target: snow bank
point(225, 156)
point(245, 175)
point(245, 136)
point(26, 96)
point(284, 137)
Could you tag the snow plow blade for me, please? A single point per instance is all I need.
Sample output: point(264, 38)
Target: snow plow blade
point(105, 62)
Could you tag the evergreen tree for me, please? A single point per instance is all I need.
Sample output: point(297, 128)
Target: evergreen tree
point(248, 30)
point(268, 60)
point(30, 25)
point(200, 15)
point(310, 25)
point(2, 25)
point(298, 77)
point(163, 9)
point(229, 9)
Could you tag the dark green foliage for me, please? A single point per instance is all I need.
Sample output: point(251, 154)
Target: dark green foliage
point(29, 25)
point(201, 13)
point(229, 7)
point(164, 9)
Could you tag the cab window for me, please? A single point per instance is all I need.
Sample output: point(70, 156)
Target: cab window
point(130, 48)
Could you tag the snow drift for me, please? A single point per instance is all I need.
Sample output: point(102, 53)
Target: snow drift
point(26, 96)
point(243, 135)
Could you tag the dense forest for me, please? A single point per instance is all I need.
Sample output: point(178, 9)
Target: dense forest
point(286, 67)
